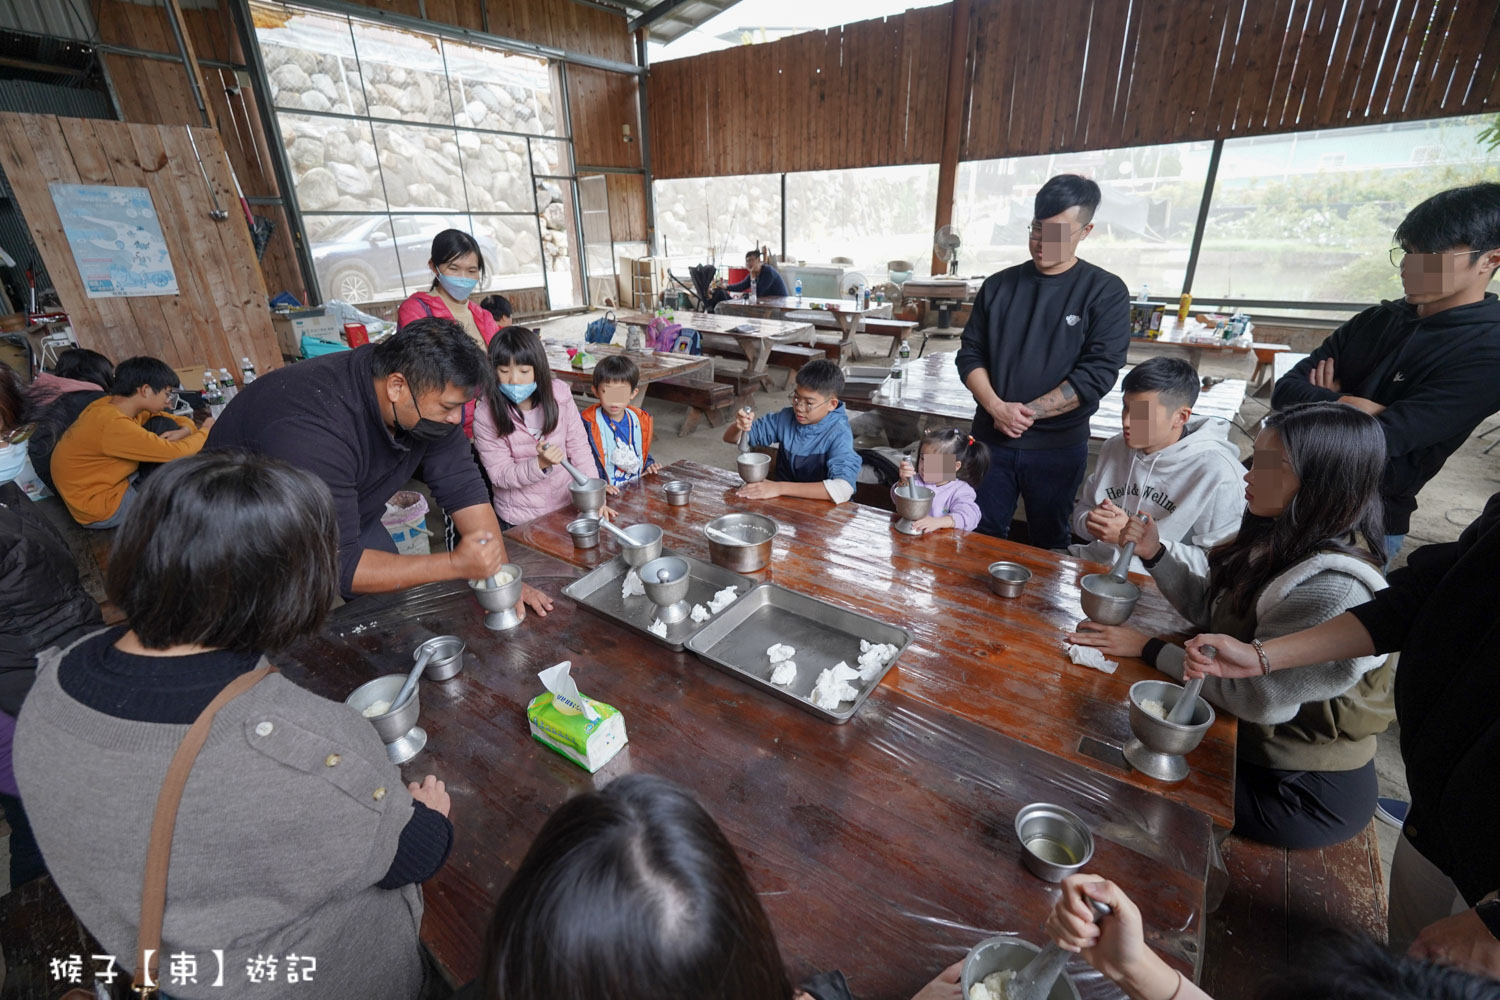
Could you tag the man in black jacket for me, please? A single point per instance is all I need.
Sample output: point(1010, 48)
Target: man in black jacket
point(768, 281)
point(1045, 341)
point(1428, 367)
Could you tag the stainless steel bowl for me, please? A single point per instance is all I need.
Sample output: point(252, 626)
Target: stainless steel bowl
point(1055, 843)
point(1008, 579)
point(753, 466)
point(1009, 954)
point(392, 725)
point(913, 501)
point(667, 590)
point(502, 597)
point(754, 553)
point(589, 497)
point(678, 491)
point(650, 536)
point(585, 532)
point(1106, 600)
point(447, 657)
point(1159, 735)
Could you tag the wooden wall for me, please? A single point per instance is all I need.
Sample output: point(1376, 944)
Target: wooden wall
point(562, 24)
point(218, 315)
point(1059, 75)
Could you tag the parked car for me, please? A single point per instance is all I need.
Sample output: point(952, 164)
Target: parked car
point(357, 261)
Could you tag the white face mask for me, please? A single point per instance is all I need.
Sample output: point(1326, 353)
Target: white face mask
point(12, 461)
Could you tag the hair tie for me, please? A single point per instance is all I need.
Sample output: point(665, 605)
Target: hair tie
point(971, 440)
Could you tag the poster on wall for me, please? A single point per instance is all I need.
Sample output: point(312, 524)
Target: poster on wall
point(116, 240)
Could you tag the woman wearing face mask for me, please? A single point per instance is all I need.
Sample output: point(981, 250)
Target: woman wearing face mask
point(526, 429)
point(1309, 548)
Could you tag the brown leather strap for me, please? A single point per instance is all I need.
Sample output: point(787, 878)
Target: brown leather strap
point(159, 850)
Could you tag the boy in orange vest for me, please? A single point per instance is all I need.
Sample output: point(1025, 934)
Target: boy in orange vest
point(619, 434)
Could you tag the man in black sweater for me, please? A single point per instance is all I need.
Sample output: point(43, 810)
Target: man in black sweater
point(1045, 341)
point(1428, 367)
point(768, 281)
point(366, 421)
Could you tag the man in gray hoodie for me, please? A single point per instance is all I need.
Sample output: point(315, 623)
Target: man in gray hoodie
point(1181, 470)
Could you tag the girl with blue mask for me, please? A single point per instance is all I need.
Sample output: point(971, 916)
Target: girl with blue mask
point(526, 428)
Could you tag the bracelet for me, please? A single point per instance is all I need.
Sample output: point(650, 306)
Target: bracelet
point(1151, 563)
point(1265, 661)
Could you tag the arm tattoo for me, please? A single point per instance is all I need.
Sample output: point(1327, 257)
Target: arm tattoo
point(1060, 400)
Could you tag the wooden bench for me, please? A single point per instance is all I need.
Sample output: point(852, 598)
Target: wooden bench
point(789, 356)
point(745, 383)
point(1265, 363)
point(1277, 902)
point(37, 926)
point(703, 398)
point(899, 330)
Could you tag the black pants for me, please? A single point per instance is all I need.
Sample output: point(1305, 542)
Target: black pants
point(1046, 478)
point(25, 856)
point(1301, 809)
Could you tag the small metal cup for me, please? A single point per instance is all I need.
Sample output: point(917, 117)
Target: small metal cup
point(1008, 579)
point(677, 492)
point(585, 532)
point(447, 657)
point(1055, 843)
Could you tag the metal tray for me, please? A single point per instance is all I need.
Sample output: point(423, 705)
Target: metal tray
point(735, 640)
point(863, 381)
point(599, 592)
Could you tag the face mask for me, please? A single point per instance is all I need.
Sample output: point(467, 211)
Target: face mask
point(424, 429)
point(517, 393)
point(459, 288)
point(12, 461)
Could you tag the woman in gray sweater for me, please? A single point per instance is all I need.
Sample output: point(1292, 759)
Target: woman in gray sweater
point(1308, 549)
point(298, 849)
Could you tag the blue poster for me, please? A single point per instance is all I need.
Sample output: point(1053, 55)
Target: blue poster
point(116, 240)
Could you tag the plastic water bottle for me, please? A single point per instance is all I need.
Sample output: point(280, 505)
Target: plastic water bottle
point(1143, 296)
point(247, 371)
point(754, 297)
point(896, 371)
point(798, 291)
point(226, 384)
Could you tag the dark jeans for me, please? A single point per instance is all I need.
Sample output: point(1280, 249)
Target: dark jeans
point(25, 856)
point(1301, 809)
point(1046, 478)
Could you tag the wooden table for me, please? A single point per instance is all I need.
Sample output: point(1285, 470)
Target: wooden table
point(753, 337)
point(884, 847)
point(843, 312)
point(932, 394)
point(653, 365)
point(995, 662)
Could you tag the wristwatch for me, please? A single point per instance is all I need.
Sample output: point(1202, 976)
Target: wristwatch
point(1489, 912)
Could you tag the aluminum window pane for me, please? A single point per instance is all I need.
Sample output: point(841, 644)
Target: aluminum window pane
point(355, 257)
point(505, 91)
point(333, 163)
point(553, 157)
point(414, 235)
point(404, 75)
point(420, 167)
point(716, 219)
point(310, 61)
point(517, 253)
point(496, 172)
point(872, 215)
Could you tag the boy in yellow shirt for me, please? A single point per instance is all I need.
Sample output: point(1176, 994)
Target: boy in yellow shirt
point(98, 460)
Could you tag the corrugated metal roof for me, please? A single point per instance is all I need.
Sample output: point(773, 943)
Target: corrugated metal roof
point(58, 18)
point(685, 18)
point(47, 99)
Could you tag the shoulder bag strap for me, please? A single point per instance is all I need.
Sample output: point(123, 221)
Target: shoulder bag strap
point(159, 850)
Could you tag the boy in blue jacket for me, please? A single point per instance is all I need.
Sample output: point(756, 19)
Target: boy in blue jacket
point(816, 459)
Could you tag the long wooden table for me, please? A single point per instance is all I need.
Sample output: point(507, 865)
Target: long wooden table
point(754, 337)
point(846, 315)
point(653, 365)
point(932, 394)
point(883, 847)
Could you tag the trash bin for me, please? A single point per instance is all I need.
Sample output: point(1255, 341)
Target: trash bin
point(405, 518)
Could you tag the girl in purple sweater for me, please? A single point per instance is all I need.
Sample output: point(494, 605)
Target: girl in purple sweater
point(951, 464)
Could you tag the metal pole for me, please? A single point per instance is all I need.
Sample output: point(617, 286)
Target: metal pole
point(187, 64)
point(1208, 194)
point(645, 138)
point(783, 217)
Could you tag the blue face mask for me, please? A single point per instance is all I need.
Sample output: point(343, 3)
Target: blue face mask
point(12, 461)
point(517, 393)
point(459, 288)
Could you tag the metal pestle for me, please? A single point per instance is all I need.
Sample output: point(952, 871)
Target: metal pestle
point(1182, 712)
point(1034, 982)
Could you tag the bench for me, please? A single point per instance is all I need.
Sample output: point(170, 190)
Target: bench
point(745, 383)
point(1277, 902)
point(703, 398)
point(789, 356)
point(1265, 362)
point(899, 330)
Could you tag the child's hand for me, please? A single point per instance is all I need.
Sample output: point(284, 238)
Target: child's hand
point(1111, 640)
point(760, 491)
point(744, 419)
point(548, 455)
point(613, 491)
point(1107, 522)
point(1142, 531)
point(1116, 946)
point(652, 469)
point(606, 514)
point(907, 470)
point(923, 525)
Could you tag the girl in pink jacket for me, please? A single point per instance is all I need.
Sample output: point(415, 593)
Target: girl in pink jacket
point(525, 473)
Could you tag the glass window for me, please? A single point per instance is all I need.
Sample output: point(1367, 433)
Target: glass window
point(404, 75)
point(512, 251)
point(497, 176)
point(310, 63)
point(420, 167)
point(355, 257)
point(552, 157)
point(503, 91)
point(716, 219)
point(1143, 229)
point(871, 215)
point(334, 167)
point(1309, 216)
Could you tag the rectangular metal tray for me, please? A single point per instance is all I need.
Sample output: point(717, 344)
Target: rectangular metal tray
point(864, 381)
point(735, 640)
point(599, 592)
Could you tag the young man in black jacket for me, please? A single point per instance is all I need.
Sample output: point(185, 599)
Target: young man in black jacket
point(1427, 367)
point(1045, 341)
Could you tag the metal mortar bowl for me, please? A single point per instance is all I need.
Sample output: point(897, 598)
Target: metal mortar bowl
point(589, 497)
point(1009, 954)
point(503, 597)
point(913, 501)
point(447, 657)
point(1055, 843)
point(1159, 746)
point(753, 466)
point(392, 725)
point(1008, 579)
point(668, 590)
point(677, 492)
point(650, 537)
point(753, 553)
point(1106, 600)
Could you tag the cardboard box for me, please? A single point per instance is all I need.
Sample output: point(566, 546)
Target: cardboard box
point(291, 326)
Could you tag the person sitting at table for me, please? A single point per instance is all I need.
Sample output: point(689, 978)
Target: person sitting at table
point(1338, 966)
point(815, 457)
point(118, 439)
point(1427, 366)
point(1182, 471)
point(295, 833)
point(1308, 549)
point(1043, 344)
point(634, 893)
point(950, 463)
point(57, 398)
point(1439, 613)
point(499, 307)
point(768, 281)
point(513, 425)
point(619, 434)
point(365, 421)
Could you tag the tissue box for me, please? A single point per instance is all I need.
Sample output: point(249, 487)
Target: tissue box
point(588, 744)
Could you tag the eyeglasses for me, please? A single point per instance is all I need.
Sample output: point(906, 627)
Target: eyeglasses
point(1035, 231)
point(1398, 256)
point(17, 434)
point(805, 405)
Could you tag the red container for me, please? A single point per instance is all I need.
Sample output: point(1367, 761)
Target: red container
point(737, 275)
point(356, 335)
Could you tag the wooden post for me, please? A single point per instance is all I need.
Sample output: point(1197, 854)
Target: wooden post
point(953, 119)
